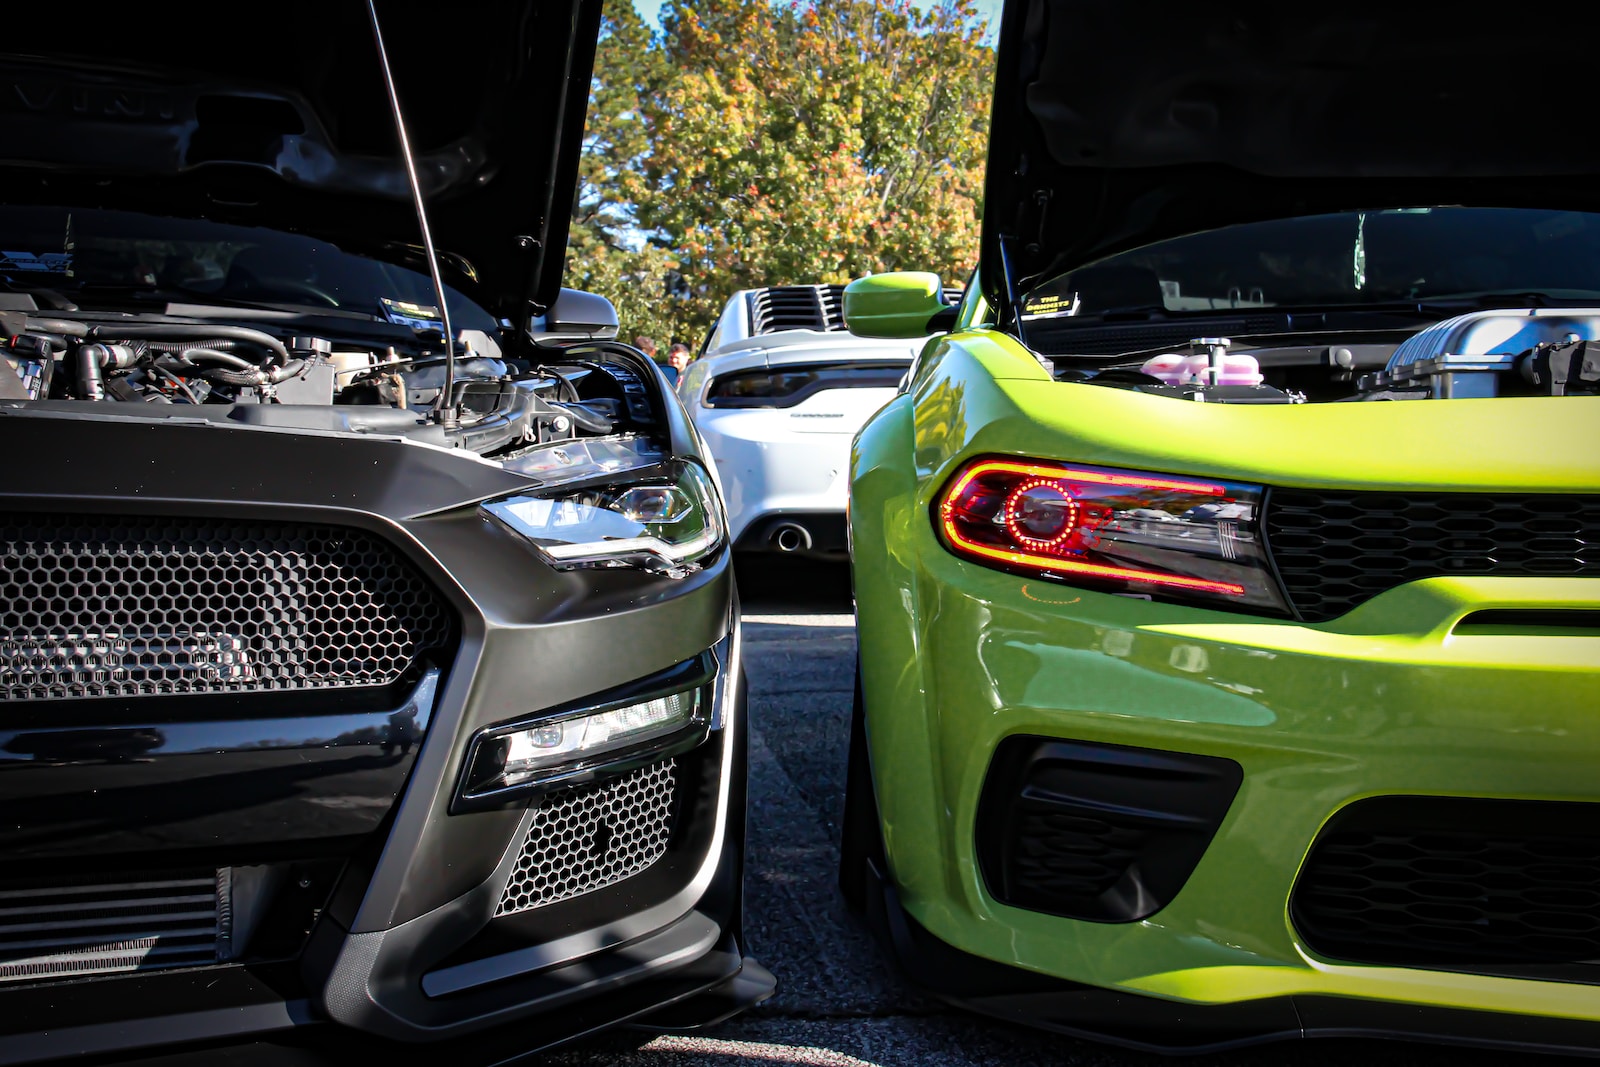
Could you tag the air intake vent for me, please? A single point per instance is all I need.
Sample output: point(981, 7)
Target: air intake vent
point(70, 929)
point(1099, 832)
point(590, 837)
point(797, 307)
point(1462, 884)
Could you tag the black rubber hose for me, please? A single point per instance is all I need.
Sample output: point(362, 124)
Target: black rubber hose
point(67, 327)
point(214, 344)
point(195, 330)
point(255, 375)
point(211, 355)
point(592, 421)
point(231, 377)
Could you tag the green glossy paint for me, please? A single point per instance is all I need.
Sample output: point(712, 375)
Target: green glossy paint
point(1389, 699)
point(898, 304)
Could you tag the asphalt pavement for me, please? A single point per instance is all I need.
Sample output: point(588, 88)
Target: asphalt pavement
point(838, 1003)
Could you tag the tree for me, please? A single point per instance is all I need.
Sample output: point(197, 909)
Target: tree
point(760, 143)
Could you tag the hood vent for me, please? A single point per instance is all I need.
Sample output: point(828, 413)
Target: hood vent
point(797, 307)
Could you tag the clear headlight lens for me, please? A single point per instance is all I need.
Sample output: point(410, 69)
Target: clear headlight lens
point(636, 724)
point(539, 748)
point(1174, 537)
point(667, 526)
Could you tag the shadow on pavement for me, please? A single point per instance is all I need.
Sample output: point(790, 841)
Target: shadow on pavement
point(784, 585)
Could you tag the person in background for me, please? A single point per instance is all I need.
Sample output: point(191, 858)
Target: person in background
point(678, 355)
point(647, 345)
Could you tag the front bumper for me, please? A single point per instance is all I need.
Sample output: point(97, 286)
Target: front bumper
point(397, 933)
point(1167, 1026)
point(1386, 701)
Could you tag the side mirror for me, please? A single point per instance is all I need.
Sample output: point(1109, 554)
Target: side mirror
point(577, 316)
point(900, 304)
point(671, 373)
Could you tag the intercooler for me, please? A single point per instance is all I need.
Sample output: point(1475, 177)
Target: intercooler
point(71, 928)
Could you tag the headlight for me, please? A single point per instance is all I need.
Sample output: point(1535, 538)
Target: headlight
point(665, 525)
point(1126, 531)
point(638, 723)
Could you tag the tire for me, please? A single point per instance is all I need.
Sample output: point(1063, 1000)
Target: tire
point(860, 837)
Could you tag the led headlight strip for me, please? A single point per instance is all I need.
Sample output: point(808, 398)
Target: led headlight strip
point(618, 730)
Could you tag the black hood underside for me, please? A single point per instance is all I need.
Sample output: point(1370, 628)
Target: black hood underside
point(1115, 126)
point(277, 116)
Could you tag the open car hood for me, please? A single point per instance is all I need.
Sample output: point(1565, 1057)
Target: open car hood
point(286, 125)
point(1114, 128)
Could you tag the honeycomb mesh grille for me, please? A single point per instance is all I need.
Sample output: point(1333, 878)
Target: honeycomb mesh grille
point(97, 606)
point(1461, 884)
point(1336, 550)
point(591, 837)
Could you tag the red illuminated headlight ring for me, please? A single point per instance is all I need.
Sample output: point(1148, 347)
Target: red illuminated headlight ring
point(1056, 565)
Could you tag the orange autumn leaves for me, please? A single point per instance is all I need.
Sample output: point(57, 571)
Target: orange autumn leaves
point(752, 143)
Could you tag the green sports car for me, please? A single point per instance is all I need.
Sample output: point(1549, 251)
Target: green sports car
point(1227, 568)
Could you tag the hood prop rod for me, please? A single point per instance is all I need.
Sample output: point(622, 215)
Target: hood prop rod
point(444, 409)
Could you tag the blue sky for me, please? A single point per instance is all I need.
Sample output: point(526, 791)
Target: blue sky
point(989, 9)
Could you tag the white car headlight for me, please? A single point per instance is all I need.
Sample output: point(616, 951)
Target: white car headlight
point(665, 525)
point(627, 727)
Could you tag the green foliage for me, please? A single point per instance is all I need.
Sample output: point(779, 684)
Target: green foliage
point(766, 143)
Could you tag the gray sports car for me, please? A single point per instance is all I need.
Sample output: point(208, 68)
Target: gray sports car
point(369, 651)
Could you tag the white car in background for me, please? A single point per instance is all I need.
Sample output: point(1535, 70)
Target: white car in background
point(778, 392)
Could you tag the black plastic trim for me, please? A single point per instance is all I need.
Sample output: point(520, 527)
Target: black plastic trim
point(1134, 822)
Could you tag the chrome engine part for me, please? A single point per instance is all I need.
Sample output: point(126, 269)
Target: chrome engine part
point(1486, 354)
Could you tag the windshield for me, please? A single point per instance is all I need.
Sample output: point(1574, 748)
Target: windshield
point(118, 253)
point(1345, 259)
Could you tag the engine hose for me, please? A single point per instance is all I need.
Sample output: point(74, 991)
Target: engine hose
point(211, 355)
point(588, 420)
point(256, 375)
point(196, 331)
point(65, 327)
point(232, 377)
point(215, 344)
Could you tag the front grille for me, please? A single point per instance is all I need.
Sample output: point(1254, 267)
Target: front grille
point(1336, 550)
point(590, 837)
point(94, 606)
point(72, 929)
point(1460, 884)
point(1099, 832)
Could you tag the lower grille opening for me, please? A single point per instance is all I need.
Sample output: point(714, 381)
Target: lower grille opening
point(77, 926)
point(105, 927)
point(1099, 832)
point(1484, 886)
point(593, 836)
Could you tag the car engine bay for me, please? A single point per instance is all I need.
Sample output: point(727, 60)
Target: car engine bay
point(364, 377)
point(1500, 352)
